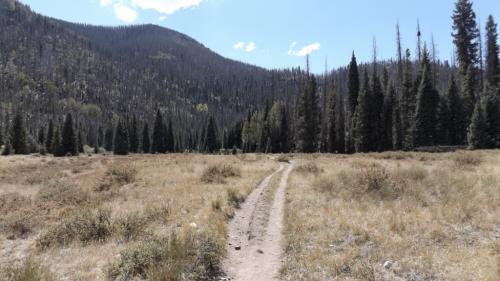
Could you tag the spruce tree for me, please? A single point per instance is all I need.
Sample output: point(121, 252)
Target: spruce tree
point(1, 134)
point(426, 111)
point(352, 97)
point(492, 53)
point(387, 118)
point(134, 136)
point(456, 127)
point(477, 134)
point(465, 35)
point(121, 145)
point(109, 138)
point(307, 118)
point(406, 105)
point(41, 135)
point(146, 139)
point(169, 138)
point(443, 125)
point(69, 141)
point(50, 137)
point(57, 148)
point(377, 102)
point(332, 122)
point(284, 132)
point(468, 94)
point(363, 128)
point(18, 136)
point(211, 136)
point(491, 105)
point(158, 145)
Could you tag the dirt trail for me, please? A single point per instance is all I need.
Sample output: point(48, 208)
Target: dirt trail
point(256, 255)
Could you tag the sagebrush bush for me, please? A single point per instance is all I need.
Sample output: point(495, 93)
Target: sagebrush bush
point(17, 226)
point(191, 257)
point(12, 201)
point(218, 173)
point(130, 227)
point(309, 168)
point(117, 175)
point(234, 198)
point(64, 194)
point(29, 270)
point(465, 159)
point(85, 227)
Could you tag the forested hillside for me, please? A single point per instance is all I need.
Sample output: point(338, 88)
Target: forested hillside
point(150, 89)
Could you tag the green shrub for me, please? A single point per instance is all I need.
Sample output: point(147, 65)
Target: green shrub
point(218, 174)
point(86, 227)
point(29, 270)
point(193, 257)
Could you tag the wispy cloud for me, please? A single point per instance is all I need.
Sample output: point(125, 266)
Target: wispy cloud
point(125, 13)
point(126, 10)
point(167, 7)
point(247, 47)
point(306, 50)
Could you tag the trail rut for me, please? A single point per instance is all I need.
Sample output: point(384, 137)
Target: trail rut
point(255, 254)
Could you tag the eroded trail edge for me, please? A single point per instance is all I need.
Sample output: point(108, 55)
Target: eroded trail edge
point(257, 258)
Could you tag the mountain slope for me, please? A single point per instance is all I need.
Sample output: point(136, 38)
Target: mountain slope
point(51, 66)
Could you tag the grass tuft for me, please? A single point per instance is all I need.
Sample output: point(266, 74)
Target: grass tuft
point(219, 173)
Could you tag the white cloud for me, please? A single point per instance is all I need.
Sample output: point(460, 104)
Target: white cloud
point(167, 7)
point(306, 50)
point(162, 18)
point(239, 46)
point(250, 47)
point(247, 47)
point(125, 13)
point(105, 3)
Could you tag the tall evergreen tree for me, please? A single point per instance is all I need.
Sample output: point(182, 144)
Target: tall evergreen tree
point(68, 137)
point(50, 137)
point(80, 142)
point(363, 128)
point(468, 93)
point(491, 105)
point(477, 134)
point(387, 118)
point(332, 122)
point(492, 53)
point(426, 111)
point(121, 145)
point(406, 105)
point(465, 35)
point(57, 148)
point(376, 104)
point(41, 135)
point(1, 134)
point(18, 135)
point(456, 127)
point(211, 136)
point(146, 139)
point(158, 145)
point(443, 125)
point(307, 124)
point(169, 137)
point(109, 138)
point(284, 144)
point(352, 97)
point(134, 136)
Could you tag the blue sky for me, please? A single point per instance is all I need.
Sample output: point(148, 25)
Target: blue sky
point(277, 33)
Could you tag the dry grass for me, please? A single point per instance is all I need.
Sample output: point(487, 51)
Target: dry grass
point(91, 218)
point(395, 216)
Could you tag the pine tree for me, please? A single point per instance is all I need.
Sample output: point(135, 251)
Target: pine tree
point(308, 118)
point(158, 135)
point(443, 125)
point(426, 111)
point(18, 136)
point(1, 134)
point(57, 148)
point(211, 136)
point(41, 135)
point(284, 132)
point(377, 102)
point(406, 105)
point(387, 118)
point(121, 144)
point(363, 129)
point(477, 134)
point(456, 127)
point(468, 95)
point(332, 122)
point(50, 137)
point(169, 140)
point(492, 53)
point(465, 35)
point(352, 97)
point(134, 136)
point(69, 139)
point(146, 139)
point(491, 105)
point(109, 139)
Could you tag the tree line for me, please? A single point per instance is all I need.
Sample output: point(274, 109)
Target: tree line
point(401, 104)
